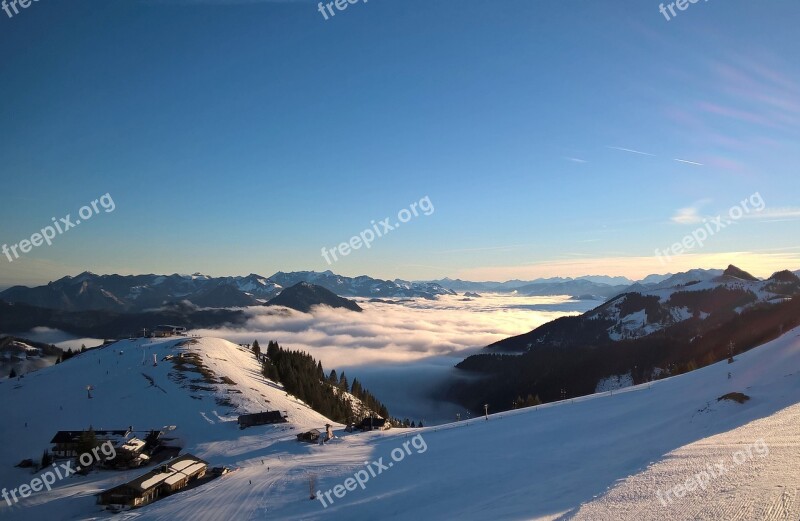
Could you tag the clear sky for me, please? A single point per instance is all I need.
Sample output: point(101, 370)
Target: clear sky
point(245, 136)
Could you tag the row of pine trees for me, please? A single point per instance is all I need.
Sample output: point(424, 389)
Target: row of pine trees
point(304, 377)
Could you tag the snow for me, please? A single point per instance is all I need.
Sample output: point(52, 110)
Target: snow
point(635, 325)
point(759, 478)
point(158, 478)
point(614, 383)
point(682, 313)
point(602, 457)
point(55, 398)
point(632, 326)
point(133, 445)
point(180, 465)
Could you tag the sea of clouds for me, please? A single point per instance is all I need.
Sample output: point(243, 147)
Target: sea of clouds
point(402, 351)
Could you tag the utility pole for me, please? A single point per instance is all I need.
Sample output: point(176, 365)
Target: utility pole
point(486, 411)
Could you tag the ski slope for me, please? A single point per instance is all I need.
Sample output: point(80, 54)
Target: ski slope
point(753, 485)
point(600, 457)
point(128, 390)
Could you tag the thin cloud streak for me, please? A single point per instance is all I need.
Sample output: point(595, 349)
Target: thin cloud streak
point(775, 214)
point(688, 162)
point(632, 151)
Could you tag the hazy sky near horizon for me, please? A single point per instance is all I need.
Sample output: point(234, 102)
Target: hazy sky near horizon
point(552, 138)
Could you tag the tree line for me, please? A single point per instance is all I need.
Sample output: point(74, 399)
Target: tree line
point(304, 377)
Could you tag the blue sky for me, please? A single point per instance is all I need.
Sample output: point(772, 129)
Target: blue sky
point(239, 137)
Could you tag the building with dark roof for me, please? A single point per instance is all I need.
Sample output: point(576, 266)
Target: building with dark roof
point(261, 418)
point(167, 330)
point(65, 443)
point(373, 424)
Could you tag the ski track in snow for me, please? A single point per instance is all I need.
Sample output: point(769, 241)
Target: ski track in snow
point(763, 487)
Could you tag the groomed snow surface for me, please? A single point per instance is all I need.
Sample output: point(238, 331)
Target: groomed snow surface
point(604, 457)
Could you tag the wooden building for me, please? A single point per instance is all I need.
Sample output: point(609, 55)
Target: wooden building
point(161, 481)
point(167, 331)
point(66, 443)
point(373, 424)
point(261, 418)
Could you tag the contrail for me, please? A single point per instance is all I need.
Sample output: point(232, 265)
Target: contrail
point(690, 162)
point(632, 151)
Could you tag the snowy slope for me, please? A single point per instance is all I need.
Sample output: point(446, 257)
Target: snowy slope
point(205, 414)
point(526, 464)
point(755, 474)
point(536, 463)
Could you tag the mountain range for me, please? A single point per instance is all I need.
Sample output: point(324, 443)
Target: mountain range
point(19, 316)
point(136, 293)
point(597, 287)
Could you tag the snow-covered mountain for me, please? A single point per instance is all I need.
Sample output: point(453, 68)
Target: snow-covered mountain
point(647, 334)
point(362, 286)
point(89, 291)
point(694, 294)
point(603, 457)
point(646, 309)
point(600, 286)
point(679, 279)
point(128, 293)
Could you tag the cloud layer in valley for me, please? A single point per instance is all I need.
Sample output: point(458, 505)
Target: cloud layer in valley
point(402, 351)
point(398, 332)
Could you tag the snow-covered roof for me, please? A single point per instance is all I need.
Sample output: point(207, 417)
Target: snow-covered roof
point(133, 445)
point(170, 473)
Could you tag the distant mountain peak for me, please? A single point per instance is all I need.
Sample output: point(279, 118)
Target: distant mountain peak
point(733, 271)
point(784, 276)
point(303, 296)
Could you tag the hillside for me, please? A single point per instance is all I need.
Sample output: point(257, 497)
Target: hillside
point(635, 337)
point(200, 391)
point(687, 298)
point(545, 462)
point(111, 324)
point(555, 461)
